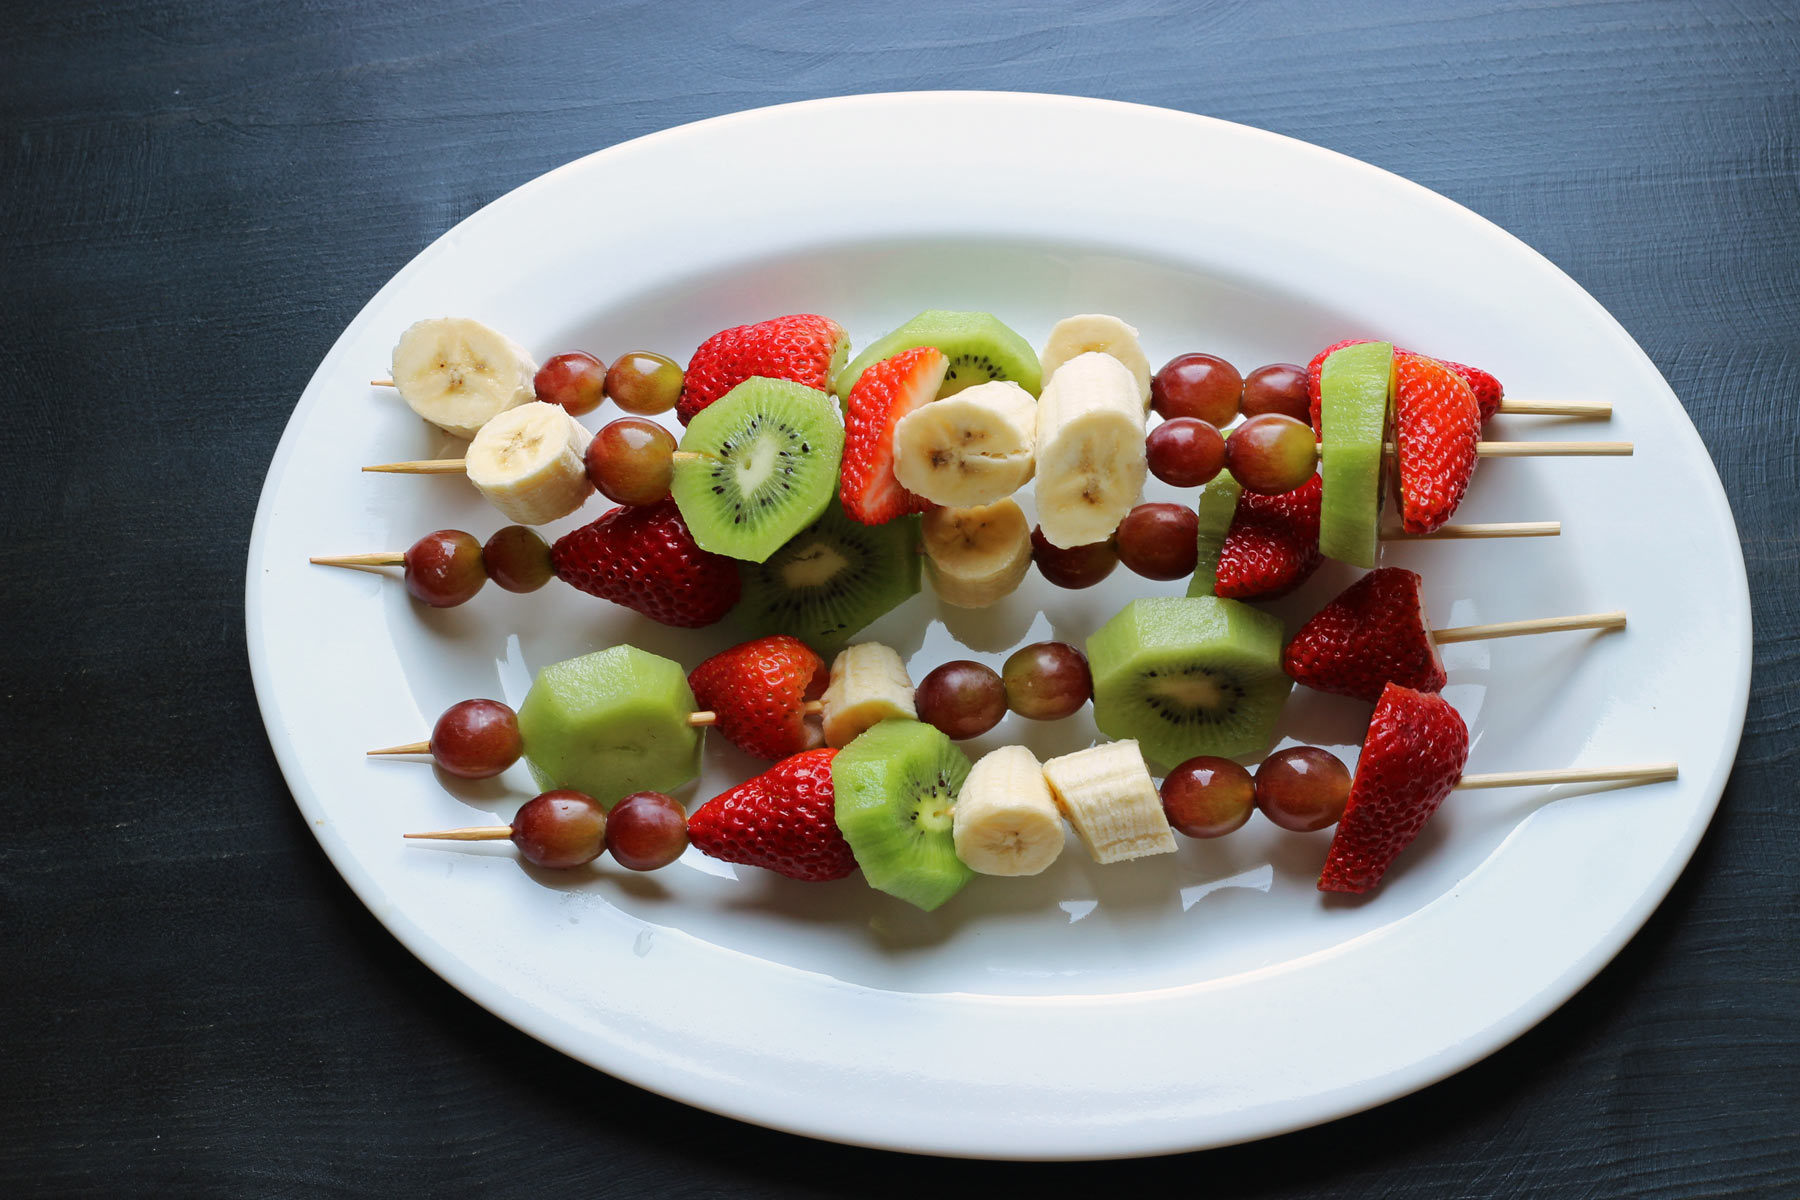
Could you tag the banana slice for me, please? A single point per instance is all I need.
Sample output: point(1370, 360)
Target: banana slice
point(1091, 332)
point(528, 461)
point(976, 556)
point(972, 448)
point(869, 684)
point(1108, 795)
point(459, 374)
point(1004, 821)
point(1090, 462)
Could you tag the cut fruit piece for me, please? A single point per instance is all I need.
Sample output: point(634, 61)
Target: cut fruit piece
point(804, 348)
point(1355, 386)
point(529, 462)
point(1437, 425)
point(1005, 822)
point(1217, 506)
point(980, 349)
point(767, 465)
point(1096, 333)
point(976, 447)
point(1108, 795)
point(1372, 634)
point(832, 579)
point(1189, 676)
point(885, 394)
point(869, 685)
point(609, 724)
point(976, 556)
point(896, 785)
point(459, 374)
point(1272, 546)
point(1091, 462)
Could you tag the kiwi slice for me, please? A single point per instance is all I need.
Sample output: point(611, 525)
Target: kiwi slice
point(1355, 386)
point(609, 724)
point(979, 346)
point(1188, 676)
point(832, 579)
point(765, 464)
point(1218, 504)
point(894, 786)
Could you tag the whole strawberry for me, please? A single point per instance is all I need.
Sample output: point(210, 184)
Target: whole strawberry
point(1372, 635)
point(1272, 545)
point(783, 820)
point(1487, 389)
point(1437, 426)
point(884, 393)
point(1411, 759)
point(803, 348)
point(643, 557)
point(758, 690)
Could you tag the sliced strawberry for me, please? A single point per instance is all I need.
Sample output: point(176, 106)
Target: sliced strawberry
point(804, 348)
point(783, 820)
point(1487, 389)
point(1437, 425)
point(1412, 757)
point(644, 558)
point(758, 692)
point(886, 392)
point(1373, 634)
point(1272, 546)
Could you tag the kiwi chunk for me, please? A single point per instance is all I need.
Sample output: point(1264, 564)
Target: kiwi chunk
point(894, 786)
point(766, 464)
point(979, 346)
point(611, 723)
point(832, 579)
point(1355, 387)
point(1218, 504)
point(1188, 676)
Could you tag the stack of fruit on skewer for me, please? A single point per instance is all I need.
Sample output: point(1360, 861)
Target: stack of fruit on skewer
point(804, 519)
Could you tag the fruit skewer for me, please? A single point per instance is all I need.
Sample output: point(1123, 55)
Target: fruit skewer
point(703, 719)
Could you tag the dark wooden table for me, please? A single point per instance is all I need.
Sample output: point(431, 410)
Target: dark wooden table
point(199, 195)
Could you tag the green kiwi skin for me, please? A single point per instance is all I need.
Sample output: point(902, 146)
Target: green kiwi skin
point(1151, 639)
point(903, 848)
point(611, 723)
point(886, 576)
point(810, 480)
point(1217, 505)
point(1355, 398)
point(960, 335)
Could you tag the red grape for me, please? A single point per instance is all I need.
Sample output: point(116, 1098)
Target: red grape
point(560, 829)
point(1208, 797)
point(1046, 681)
point(1197, 385)
point(476, 739)
point(1272, 454)
point(517, 559)
point(1185, 451)
point(631, 460)
point(1303, 788)
point(963, 699)
point(646, 830)
point(1160, 541)
point(577, 381)
point(1075, 567)
point(1277, 388)
point(443, 568)
point(644, 383)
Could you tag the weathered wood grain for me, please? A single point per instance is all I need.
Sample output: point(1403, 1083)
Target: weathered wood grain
point(196, 196)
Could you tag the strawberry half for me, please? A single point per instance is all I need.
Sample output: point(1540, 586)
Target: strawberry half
point(1272, 546)
point(758, 691)
point(1411, 759)
point(1437, 425)
point(1372, 635)
point(886, 392)
point(783, 820)
point(1487, 389)
point(644, 558)
point(804, 348)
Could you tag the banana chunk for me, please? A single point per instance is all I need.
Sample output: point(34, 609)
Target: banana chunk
point(1108, 795)
point(1090, 463)
point(976, 556)
point(459, 374)
point(1097, 332)
point(529, 463)
point(975, 447)
point(869, 684)
point(1004, 821)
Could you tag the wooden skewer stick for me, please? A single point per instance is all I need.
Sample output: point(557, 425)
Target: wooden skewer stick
point(1506, 629)
point(1646, 773)
point(1497, 529)
point(1599, 409)
point(454, 466)
point(470, 833)
point(1540, 449)
point(698, 720)
point(409, 748)
point(381, 558)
